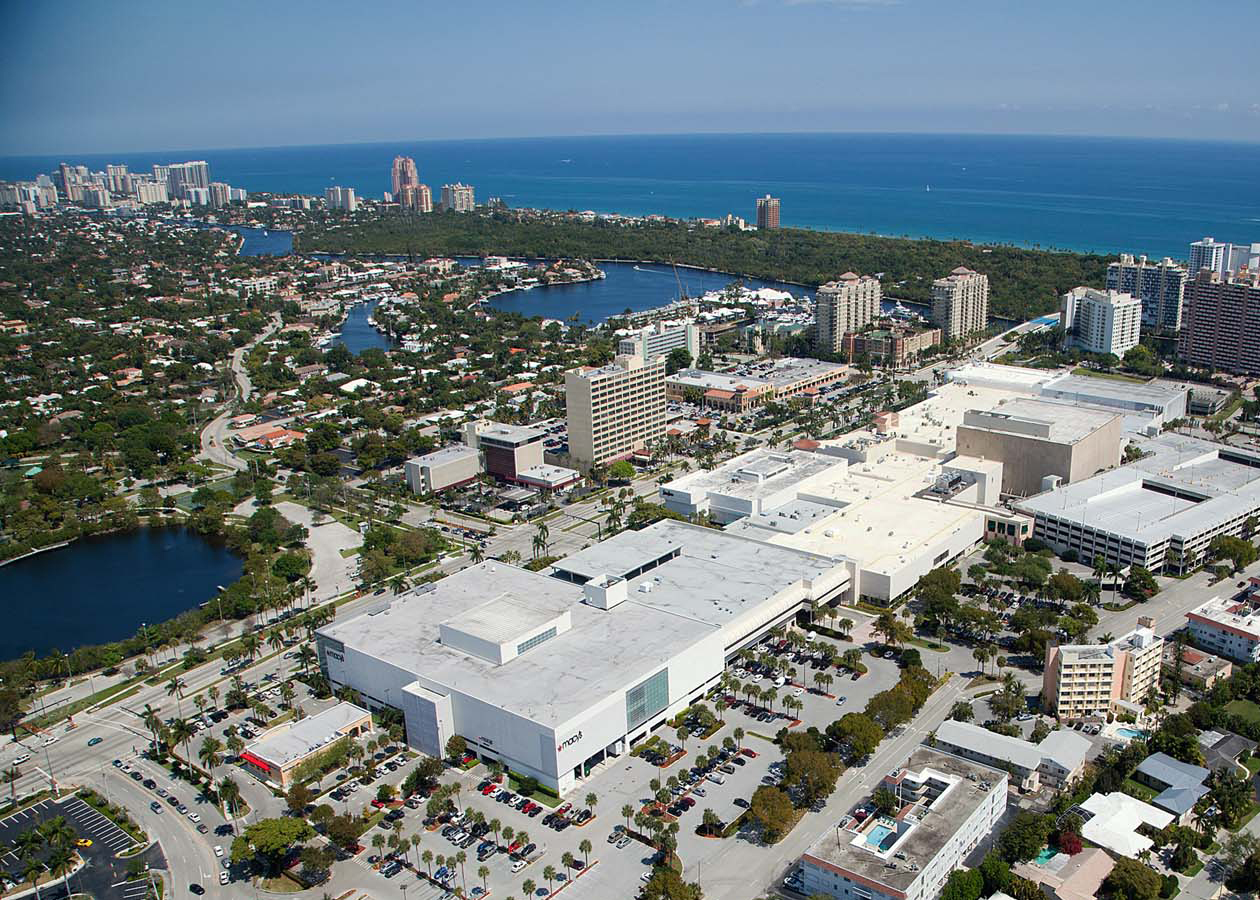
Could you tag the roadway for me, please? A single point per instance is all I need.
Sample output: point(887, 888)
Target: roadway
point(214, 437)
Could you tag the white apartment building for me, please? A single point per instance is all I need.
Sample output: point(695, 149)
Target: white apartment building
point(615, 410)
point(947, 806)
point(458, 197)
point(1101, 321)
point(1091, 680)
point(341, 198)
point(1058, 760)
point(659, 338)
point(960, 303)
point(849, 303)
point(1160, 286)
point(1222, 257)
point(1229, 628)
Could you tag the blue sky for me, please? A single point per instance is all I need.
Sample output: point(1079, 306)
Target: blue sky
point(127, 76)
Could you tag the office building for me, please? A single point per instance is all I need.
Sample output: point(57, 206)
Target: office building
point(402, 174)
point(659, 338)
point(850, 303)
point(793, 376)
point(415, 197)
point(1159, 286)
point(1223, 258)
point(615, 410)
point(458, 197)
point(1228, 628)
point(1091, 680)
point(767, 213)
point(342, 198)
point(1160, 512)
point(898, 345)
point(508, 450)
point(1221, 322)
point(946, 806)
point(445, 468)
point(1100, 321)
point(1054, 763)
point(554, 674)
point(1036, 441)
point(960, 303)
point(276, 756)
point(717, 391)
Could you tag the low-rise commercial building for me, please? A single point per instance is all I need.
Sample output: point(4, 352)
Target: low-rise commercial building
point(752, 484)
point(715, 390)
point(897, 345)
point(1037, 441)
point(553, 674)
point(1091, 680)
point(1198, 670)
point(508, 450)
point(1160, 512)
point(1058, 760)
point(1228, 628)
point(445, 468)
point(946, 806)
point(276, 756)
point(792, 376)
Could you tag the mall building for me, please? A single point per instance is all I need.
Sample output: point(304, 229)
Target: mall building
point(552, 674)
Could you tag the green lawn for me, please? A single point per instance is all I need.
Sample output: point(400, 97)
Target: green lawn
point(1112, 376)
point(1252, 764)
point(1244, 709)
point(1140, 791)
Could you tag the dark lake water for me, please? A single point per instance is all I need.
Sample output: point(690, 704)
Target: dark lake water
point(100, 589)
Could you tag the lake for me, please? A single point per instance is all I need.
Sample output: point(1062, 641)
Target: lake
point(100, 589)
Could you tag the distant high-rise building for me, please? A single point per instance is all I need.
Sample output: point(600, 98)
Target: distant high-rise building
point(415, 197)
point(1160, 287)
point(1221, 258)
point(615, 410)
point(1220, 322)
point(848, 304)
point(767, 212)
point(458, 197)
point(220, 194)
point(960, 303)
point(403, 174)
point(181, 177)
point(116, 178)
point(68, 183)
point(1101, 321)
point(151, 192)
point(341, 198)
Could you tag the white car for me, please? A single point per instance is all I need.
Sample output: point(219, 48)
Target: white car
point(798, 692)
point(218, 851)
point(518, 865)
point(223, 877)
point(780, 681)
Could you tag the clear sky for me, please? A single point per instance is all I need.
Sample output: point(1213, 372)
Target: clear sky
point(96, 76)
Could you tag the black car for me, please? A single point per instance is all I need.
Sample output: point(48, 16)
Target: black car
point(739, 761)
point(117, 763)
point(150, 783)
point(195, 888)
point(525, 851)
point(136, 776)
point(173, 800)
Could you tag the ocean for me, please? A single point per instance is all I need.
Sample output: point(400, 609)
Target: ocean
point(1102, 195)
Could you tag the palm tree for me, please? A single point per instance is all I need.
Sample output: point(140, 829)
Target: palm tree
point(483, 872)
point(210, 754)
point(549, 872)
point(584, 847)
point(476, 553)
point(31, 870)
point(627, 811)
point(738, 734)
point(213, 693)
point(249, 645)
point(378, 841)
point(591, 800)
point(543, 535)
point(306, 657)
point(414, 840)
point(496, 826)
point(527, 886)
point(60, 862)
point(427, 858)
point(229, 796)
point(567, 860)
point(153, 721)
point(461, 857)
point(275, 640)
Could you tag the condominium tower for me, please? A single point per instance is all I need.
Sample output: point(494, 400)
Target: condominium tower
point(458, 197)
point(845, 305)
point(341, 198)
point(415, 197)
point(403, 174)
point(1101, 321)
point(960, 303)
point(1091, 680)
point(1160, 286)
point(1221, 322)
point(767, 212)
point(615, 410)
point(1221, 257)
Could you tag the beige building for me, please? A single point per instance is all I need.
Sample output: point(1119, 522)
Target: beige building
point(1091, 680)
point(1035, 440)
point(442, 469)
point(845, 305)
point(276, 756)
point(615, 410)
point(960, 303)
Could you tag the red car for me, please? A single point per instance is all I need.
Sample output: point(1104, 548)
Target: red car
point(514, 846)
point(488, 788)
point(751, 754)
point(378, 804)
point(564, 809)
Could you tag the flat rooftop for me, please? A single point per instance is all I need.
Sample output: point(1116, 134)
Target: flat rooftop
point(1183, 487)
point(756, 474)
point(445, 455)
point(789, 370)
point(1240, 615)
point(512, 434)
point(930, 832)
point(287, 743)
point(710, 580)
point(1152, 394)
point(1067, 423)
point(706, 381)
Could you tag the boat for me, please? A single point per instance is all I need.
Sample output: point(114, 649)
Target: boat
point(928, 188)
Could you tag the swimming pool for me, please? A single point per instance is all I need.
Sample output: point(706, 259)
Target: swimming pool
point(878, 834)
point(1046, 854)
point(1131, 733)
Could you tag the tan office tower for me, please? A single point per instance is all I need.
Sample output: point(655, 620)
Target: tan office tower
point(960, 303)
point(848, 304)
point(767, 212)
point(615, 410)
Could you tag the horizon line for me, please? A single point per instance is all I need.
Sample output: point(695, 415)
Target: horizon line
point(653, 134)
